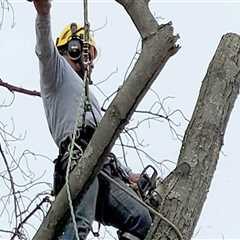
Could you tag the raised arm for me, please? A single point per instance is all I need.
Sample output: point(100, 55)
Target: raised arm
point(44, 45)
point(49, 58)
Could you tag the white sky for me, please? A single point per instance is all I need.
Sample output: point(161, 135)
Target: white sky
point(200, 24)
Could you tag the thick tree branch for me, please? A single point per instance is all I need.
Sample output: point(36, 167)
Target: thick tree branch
point(141, 16)
point(186, 188)
point(155, 53)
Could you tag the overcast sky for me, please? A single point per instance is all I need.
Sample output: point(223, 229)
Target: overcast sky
point(201, 24)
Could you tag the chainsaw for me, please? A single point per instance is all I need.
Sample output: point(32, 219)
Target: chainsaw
point(146, 186)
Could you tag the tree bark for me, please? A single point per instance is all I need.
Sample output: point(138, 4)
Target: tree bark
point(185, 190)
point(158, 45)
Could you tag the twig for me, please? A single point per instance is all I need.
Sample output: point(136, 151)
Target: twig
point(11, 181)
point(17, 230)
point(13, 88)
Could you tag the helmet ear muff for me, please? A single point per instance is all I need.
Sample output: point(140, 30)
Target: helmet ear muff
point(74, 49)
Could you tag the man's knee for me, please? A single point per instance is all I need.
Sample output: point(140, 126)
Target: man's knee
point(138, 227)
point(139, 223)
point(145, 219)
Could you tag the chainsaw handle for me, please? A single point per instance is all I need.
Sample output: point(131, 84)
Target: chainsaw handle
point(154, 174)
point(146, 184)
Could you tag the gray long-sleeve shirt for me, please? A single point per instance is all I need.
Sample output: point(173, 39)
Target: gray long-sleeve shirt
point(62, 90)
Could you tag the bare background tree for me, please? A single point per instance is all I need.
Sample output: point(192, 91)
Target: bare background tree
point(185, 189)
point(20, 197)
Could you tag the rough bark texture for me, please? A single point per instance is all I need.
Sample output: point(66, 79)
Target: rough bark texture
point(158, 47)
point(185, 190)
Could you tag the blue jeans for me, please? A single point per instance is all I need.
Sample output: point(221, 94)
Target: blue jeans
point(109, 205)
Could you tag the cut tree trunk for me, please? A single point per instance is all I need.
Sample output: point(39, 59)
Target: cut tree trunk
point(185, 190)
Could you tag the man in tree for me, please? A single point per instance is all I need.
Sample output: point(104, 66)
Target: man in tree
point(63, 94)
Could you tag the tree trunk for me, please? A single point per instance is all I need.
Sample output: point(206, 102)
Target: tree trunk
point(185, 190)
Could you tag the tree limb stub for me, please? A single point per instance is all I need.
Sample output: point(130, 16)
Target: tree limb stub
point(155, 53)
point(184, 195)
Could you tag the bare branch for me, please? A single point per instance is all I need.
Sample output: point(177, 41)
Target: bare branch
point(13, 88)
point(20, 226)
point(11, 181)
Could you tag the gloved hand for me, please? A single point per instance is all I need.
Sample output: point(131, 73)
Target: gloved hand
point(134, 177)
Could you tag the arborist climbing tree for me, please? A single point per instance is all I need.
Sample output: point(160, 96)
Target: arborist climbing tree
point(184, 190)
point(73, 113)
